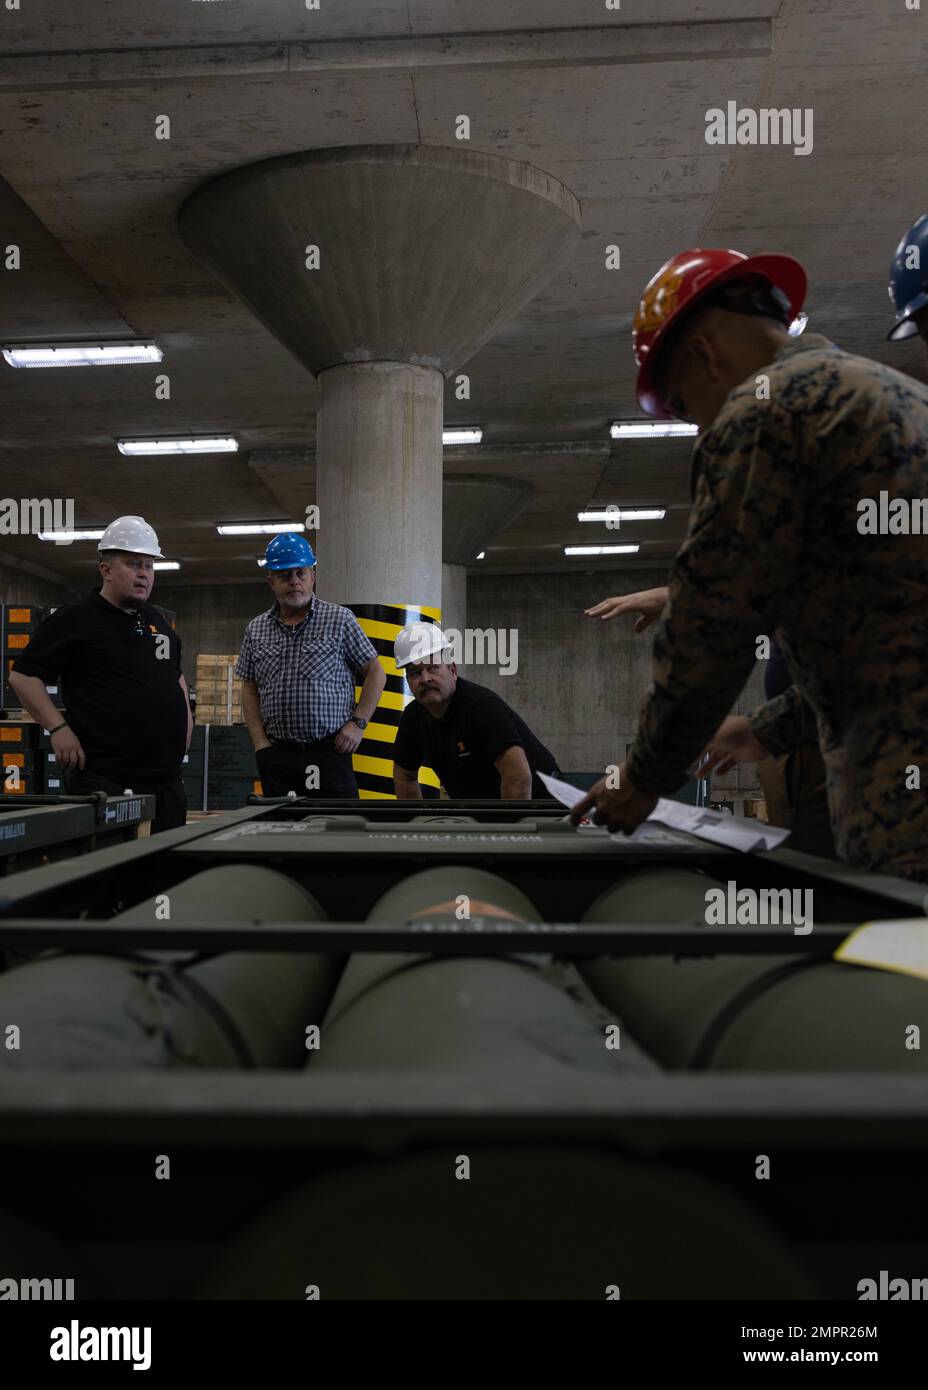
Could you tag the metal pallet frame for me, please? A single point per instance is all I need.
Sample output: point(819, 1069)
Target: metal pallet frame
point(386, 1110)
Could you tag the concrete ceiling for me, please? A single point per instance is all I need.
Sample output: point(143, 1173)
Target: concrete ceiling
point(612, 103)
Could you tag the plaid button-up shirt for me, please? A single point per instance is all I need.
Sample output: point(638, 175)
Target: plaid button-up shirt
point(305, 673)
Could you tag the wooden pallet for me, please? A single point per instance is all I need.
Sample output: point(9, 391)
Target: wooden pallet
point(219, 692)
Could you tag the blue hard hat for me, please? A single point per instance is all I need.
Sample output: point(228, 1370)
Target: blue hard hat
point(289, 551)
point(908, 282)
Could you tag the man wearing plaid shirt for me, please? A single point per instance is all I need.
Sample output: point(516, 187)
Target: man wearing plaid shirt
point(298, 665)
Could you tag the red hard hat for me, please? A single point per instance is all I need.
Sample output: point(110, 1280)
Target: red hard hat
point(677, 288)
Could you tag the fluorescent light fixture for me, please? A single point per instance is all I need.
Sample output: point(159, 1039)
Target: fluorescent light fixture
point(81, 354)
point(798, 324)
point(600, 549)
point(167, 565)
point(208, 444)
point(635, 514)
point(260, 528)
point(482, 555)
point(462, 436)
point(262, 564)
point(650, 429)
point(65, 537)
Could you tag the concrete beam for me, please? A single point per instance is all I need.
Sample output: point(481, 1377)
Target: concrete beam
point(475, 509)
point(748, 37)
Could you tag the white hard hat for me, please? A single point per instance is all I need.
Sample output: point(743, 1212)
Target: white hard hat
point(418, 642)
point(131, 533)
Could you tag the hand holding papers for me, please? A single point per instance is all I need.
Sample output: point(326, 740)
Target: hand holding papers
point(737, 832)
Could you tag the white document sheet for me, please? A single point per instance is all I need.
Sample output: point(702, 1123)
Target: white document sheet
point(735, 832)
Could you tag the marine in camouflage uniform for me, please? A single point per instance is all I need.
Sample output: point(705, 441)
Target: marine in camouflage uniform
point(774, 547)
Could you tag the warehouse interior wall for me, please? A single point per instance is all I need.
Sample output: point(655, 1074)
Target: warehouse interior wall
point(578, 683)
point(19, 585)
point(211, 618)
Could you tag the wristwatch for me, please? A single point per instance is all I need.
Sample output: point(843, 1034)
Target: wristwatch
point(356, 719)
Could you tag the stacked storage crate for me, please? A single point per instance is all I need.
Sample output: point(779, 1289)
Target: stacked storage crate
point(231, 769)
point(220, 769)
point(194, 770)
point(51, 774)
point(20, 764)
point(219, 693)
point(24, 747)
point(17, 623)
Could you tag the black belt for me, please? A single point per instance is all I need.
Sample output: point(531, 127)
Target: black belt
point(300, 747)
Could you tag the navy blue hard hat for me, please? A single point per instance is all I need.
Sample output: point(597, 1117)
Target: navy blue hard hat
point(289, 551)
point(908, 279)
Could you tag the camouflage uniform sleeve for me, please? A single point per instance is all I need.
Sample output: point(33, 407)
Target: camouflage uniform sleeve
point(727, 586)
point(785, 722)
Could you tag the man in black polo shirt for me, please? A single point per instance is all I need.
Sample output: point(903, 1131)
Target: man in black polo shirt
point(472, 740)
point(128, 718)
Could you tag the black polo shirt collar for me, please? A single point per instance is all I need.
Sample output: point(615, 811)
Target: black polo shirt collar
point(96, 598)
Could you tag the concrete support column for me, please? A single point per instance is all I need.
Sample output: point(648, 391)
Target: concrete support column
point(379, 482)
point(378, 488)
point(454, 596)
point(383, 268)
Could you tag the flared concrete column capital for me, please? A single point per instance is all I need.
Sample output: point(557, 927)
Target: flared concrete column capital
point(405, 253)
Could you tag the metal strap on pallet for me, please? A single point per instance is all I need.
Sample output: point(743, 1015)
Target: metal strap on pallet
point(476, 937)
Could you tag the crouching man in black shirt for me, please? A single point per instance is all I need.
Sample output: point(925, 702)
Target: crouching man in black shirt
point(472, 740)
point(128, 718)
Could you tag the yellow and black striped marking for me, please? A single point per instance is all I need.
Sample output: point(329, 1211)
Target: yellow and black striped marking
point(373, 761)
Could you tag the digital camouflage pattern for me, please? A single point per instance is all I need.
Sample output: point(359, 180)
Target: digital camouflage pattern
point(773, 547)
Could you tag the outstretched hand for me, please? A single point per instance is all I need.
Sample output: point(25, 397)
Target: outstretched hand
point(649, 603)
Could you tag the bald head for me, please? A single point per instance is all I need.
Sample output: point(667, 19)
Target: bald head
point(714, 351)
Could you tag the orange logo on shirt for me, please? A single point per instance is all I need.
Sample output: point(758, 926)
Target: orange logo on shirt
point(152, 628)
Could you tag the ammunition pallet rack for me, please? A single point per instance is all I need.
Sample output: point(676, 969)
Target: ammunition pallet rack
point(319, 1011)
point(37, 830)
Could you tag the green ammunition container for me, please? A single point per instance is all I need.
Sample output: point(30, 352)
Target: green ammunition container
point(749, 1012)
point(457, 1014)
point(171, 1009)
point(519, 1221)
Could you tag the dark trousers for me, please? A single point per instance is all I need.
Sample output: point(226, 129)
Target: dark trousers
point(169, 794)
point(794, 789)
point(282, 769)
